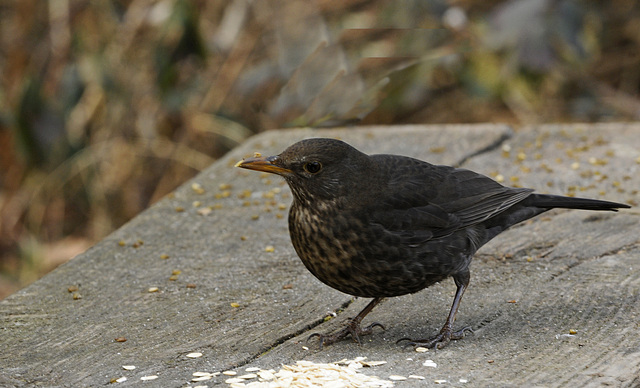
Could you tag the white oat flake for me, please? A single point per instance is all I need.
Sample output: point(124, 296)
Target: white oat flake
point(430, 363)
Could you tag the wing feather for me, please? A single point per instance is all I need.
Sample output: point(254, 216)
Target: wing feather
point(424, 201)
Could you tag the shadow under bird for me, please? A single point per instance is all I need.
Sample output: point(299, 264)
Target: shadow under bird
point(379, 226)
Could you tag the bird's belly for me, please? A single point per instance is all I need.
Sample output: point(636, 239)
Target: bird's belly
point(363, 262)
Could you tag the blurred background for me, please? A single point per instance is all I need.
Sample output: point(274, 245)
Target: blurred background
point(106, 106)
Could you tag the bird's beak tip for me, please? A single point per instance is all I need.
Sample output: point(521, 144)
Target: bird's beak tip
point(263, 164)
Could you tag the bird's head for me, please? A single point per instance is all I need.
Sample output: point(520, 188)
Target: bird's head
point(317, 169)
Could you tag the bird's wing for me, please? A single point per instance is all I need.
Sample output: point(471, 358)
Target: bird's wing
point(422, 201)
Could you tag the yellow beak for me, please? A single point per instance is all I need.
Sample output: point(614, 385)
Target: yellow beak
point(266, 164)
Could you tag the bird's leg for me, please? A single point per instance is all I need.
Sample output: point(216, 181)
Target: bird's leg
point(352, 327)
point(447, 334)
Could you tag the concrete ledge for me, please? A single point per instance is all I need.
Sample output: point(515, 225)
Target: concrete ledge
point(241, 305)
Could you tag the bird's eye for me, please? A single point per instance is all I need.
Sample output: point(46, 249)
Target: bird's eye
point(312, 167)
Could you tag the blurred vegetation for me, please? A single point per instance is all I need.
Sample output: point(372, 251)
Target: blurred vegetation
point(107, 106)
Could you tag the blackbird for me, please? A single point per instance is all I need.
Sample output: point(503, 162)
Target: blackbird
point(379, 226)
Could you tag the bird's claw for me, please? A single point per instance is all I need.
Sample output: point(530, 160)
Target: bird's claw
point(352, 328)
point(439, 340)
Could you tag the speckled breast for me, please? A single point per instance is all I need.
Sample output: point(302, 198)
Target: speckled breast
point(356, 257)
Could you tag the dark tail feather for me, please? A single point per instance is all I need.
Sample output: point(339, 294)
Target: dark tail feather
point(551, 201)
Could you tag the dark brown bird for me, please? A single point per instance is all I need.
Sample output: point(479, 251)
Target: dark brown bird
point(386, 225)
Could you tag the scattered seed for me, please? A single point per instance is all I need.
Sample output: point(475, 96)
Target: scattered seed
point(76, 296)
point(417, 377)
point(244, 194)
point(224, 186)
point(266, 375)
point(119, 380)
point(194, 355)
point(147, 378)
point(128, 367)
point(573, 331)
point(430, 363)
point(234, 380)
point(191, 285)
point(197, 188)
point(252, 369)
point(229, 373)
point(373, 363)
point(234, 304)
point(173, 278)
point(421, 349)
point(464, 381)
point(164, 256)
point(202, 378)
point(305, 348)
point(122, 243)
point(179, 209)
point(269, 248)
point(204, 211)
point(153, 289)
point(120, 339)
point(248, 376)
point(397, 378)
point(440, 381)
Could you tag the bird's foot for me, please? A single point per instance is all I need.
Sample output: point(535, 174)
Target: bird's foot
point(439, 340)
point(352, 328)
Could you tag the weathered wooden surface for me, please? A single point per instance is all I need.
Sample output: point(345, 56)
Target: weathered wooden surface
point(565, 270)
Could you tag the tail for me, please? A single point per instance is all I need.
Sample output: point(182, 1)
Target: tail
point(552, 201)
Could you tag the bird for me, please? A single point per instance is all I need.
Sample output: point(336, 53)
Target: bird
point(379, 226)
